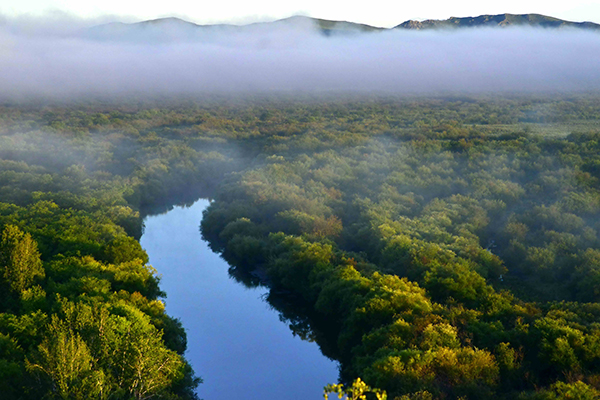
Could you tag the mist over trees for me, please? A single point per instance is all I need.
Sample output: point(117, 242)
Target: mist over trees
point(444, 259)
point(438, 247)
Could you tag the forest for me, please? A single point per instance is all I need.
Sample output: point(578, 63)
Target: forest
point(440, 247)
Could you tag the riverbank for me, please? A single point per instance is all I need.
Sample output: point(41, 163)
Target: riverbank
point(236, 341)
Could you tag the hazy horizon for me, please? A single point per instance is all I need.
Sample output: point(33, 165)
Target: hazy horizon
point(379, 13)
point(54, 58)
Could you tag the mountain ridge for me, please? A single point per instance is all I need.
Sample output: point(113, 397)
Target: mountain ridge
point(176, 27)
point(498, 20)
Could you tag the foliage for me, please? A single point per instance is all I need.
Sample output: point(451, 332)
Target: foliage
point(358, 391)
point(441, 248)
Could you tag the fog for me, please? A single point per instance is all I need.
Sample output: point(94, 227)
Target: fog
point(66, 58)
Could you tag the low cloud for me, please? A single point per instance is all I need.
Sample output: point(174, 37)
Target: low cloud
point(54, 58)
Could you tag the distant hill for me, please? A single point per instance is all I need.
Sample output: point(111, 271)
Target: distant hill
point(500, 20)
point(164, 28)
point(328, 27)
point(178, 29)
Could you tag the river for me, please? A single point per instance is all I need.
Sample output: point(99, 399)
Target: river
point(236, 342)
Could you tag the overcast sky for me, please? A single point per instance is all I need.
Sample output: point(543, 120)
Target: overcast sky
point(383, 13)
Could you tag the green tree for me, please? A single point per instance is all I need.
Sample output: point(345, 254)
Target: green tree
point(20, 262)
point(66, 362)
point(358, 391)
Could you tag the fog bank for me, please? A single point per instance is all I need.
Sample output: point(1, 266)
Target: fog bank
point(54, 60)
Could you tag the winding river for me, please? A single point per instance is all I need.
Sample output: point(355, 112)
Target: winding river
point(236, 341)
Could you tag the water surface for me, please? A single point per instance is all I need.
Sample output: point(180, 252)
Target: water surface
point(236, 342)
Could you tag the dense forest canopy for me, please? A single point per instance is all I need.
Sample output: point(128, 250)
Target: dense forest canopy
point(438, 247)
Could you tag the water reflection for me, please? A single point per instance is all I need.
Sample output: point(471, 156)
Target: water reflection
point(236, 341)
point(301, 320)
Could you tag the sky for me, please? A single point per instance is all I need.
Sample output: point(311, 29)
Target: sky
point(384, 13)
